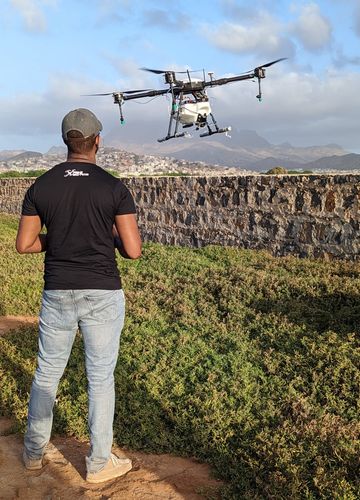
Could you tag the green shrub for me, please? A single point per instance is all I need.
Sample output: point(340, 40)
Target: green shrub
point(243, 360)
point(277, 171)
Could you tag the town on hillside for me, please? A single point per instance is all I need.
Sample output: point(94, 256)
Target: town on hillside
point(118, 161)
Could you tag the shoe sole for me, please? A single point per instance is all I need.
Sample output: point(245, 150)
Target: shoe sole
point(125, 470)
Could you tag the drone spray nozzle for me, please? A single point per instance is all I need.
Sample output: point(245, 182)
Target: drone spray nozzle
point(122, 121)
point(259, 96)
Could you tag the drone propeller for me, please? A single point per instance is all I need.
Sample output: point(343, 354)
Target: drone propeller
point(156, 71)
point(272, 62)
point(162, 72)
point(122, 92)
point(264, 66)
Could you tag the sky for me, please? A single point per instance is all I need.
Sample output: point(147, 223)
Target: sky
point(55, 51)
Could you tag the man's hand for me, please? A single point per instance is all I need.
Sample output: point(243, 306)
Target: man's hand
point(29, 239)
point(127, 237)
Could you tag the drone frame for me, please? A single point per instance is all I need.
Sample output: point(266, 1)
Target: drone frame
point(179, 88)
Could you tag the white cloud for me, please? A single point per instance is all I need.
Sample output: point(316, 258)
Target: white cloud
point(130, 75)
point(33, 17)
point(264, 34)
point(341, 59)
point(312, 28)
point(263, 37)
point(173, 21)
point(111, 11)
point(304, 109)
point(235, 11)
point(32, 119)
point(32, 13)
point(38, 113)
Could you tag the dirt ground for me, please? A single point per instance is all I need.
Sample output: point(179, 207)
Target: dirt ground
point(63, 475)
point(8, 323)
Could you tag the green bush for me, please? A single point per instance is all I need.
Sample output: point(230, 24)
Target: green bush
point(277, 171)
point(243, 360)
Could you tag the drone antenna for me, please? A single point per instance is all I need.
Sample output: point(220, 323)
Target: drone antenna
point(188, 72)
point(211, 74)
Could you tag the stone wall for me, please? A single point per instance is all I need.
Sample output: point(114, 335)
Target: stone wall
point(309, 216)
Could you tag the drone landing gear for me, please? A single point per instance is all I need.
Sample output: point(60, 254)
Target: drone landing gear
point(174, 136)
point(217, 130)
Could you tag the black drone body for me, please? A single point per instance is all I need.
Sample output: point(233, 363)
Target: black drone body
point(190, 105)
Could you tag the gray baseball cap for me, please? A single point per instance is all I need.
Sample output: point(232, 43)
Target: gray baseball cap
point(82, 120)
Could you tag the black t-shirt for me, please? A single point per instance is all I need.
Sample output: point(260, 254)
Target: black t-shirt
point(77, 202)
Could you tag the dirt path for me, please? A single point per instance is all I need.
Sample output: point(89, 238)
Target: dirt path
point(8, 323)
point(63, 476)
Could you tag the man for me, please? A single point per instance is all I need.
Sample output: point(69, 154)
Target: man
point(85, 211)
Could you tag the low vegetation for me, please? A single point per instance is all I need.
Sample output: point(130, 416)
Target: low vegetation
point(246, 361)
point(284, 171)
point(115, 173)
point(37, 173)
point(168, 174)
point(16, 173)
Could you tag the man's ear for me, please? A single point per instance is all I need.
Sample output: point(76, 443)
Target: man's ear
point(97, 143)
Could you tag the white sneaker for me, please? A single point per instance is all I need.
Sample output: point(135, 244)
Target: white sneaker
point(114, 468)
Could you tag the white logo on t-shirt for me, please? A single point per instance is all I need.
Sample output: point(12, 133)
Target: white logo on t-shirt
point(75, 173)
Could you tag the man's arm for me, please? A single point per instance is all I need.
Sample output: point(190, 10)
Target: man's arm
point(29, 239)
point(127, 237)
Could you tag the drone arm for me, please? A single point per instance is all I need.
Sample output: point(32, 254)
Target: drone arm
point(224, 81)
point(150, 93)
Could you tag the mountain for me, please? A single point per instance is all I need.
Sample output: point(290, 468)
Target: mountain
point(268, 163)
point(57, 150)
point(246, 149)
point(7, 154)
point(248, 139)
point(26, 155)
point(345, 162)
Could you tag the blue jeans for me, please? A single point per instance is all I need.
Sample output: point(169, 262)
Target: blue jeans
point(100, 316)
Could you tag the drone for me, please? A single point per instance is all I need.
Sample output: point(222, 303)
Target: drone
point(190, 104)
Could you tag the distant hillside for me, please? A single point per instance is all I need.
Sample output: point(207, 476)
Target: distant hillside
point(26, 155)
point(206, 155)
point(248, 139)
point(7, 154)
point(268, 163)
point(246, 150)
point(345, 162)
point(57, 150)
